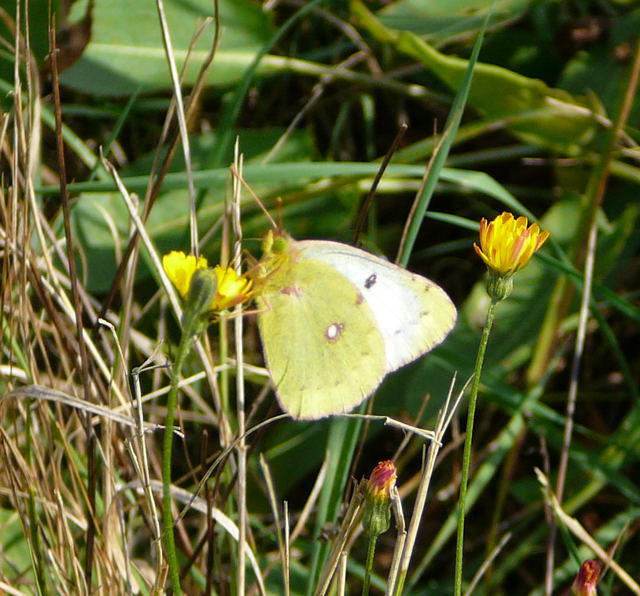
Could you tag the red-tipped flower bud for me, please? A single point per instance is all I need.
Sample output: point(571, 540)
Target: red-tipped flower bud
point(587, 579)
point(377, 513)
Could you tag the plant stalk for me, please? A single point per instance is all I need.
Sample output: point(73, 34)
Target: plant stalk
point(167, 515)
point(367, 576)
point(466, 459)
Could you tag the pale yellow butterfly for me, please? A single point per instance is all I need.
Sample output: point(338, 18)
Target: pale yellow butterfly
point(335, 320)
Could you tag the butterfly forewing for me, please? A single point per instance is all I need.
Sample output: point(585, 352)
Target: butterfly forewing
point(412, 313)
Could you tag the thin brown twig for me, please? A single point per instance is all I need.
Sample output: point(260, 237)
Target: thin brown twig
point(445, 415)
point(182, 122)
point(574, 526)
point(366, 205)
point(316, 93)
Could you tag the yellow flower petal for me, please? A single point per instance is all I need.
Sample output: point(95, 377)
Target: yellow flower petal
point(507, 244)
point(232, 288)
point(180, 269)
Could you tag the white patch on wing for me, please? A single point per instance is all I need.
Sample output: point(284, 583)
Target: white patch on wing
point(334, 331)
point(412, 313)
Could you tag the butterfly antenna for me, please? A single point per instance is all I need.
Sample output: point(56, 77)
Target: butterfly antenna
point(279, 203)
point(255, 197)
point(366, 205)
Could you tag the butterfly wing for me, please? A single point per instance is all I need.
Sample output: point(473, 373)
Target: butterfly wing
point(412, 313)
point(320, 338)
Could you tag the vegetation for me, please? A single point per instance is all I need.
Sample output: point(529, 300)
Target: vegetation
point(173, 126)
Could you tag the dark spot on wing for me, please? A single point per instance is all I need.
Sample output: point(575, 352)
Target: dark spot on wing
point(359, 299)
point(370, 281)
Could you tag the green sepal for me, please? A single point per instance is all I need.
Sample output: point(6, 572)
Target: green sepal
point(499, 285)
point(202, 291)
point(377, 514)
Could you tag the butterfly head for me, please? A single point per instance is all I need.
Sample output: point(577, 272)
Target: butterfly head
point(275, 243)
point(277, 251)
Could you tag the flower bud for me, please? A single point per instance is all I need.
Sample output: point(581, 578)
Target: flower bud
point(587, 579)
point(377, 512)
point(499, 286)
point(202, 291)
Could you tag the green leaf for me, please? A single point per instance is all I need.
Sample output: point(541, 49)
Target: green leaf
point(539, 114)
point(126, 52)
point(440, 21)
point(15, 544)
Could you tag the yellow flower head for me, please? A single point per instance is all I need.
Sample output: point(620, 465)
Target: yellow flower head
point(232, 288)
point(180, 269)
point(507, 244)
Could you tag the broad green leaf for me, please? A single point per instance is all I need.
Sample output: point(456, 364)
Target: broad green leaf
point(126, 51)
point(439, 21)
point(296, 172)
point(441, 151)
point(539, 114)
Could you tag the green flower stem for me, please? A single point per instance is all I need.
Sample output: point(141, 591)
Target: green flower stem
point(186, 341)
point(466, 459)
point(369, 569)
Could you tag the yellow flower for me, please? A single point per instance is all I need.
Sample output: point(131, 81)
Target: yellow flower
point(232, 288)
point(180, 269)
point(507, 244)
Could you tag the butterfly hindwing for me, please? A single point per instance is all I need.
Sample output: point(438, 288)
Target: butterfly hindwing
point(320, 338)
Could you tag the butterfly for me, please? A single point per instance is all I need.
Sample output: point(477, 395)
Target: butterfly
point(334, 320)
